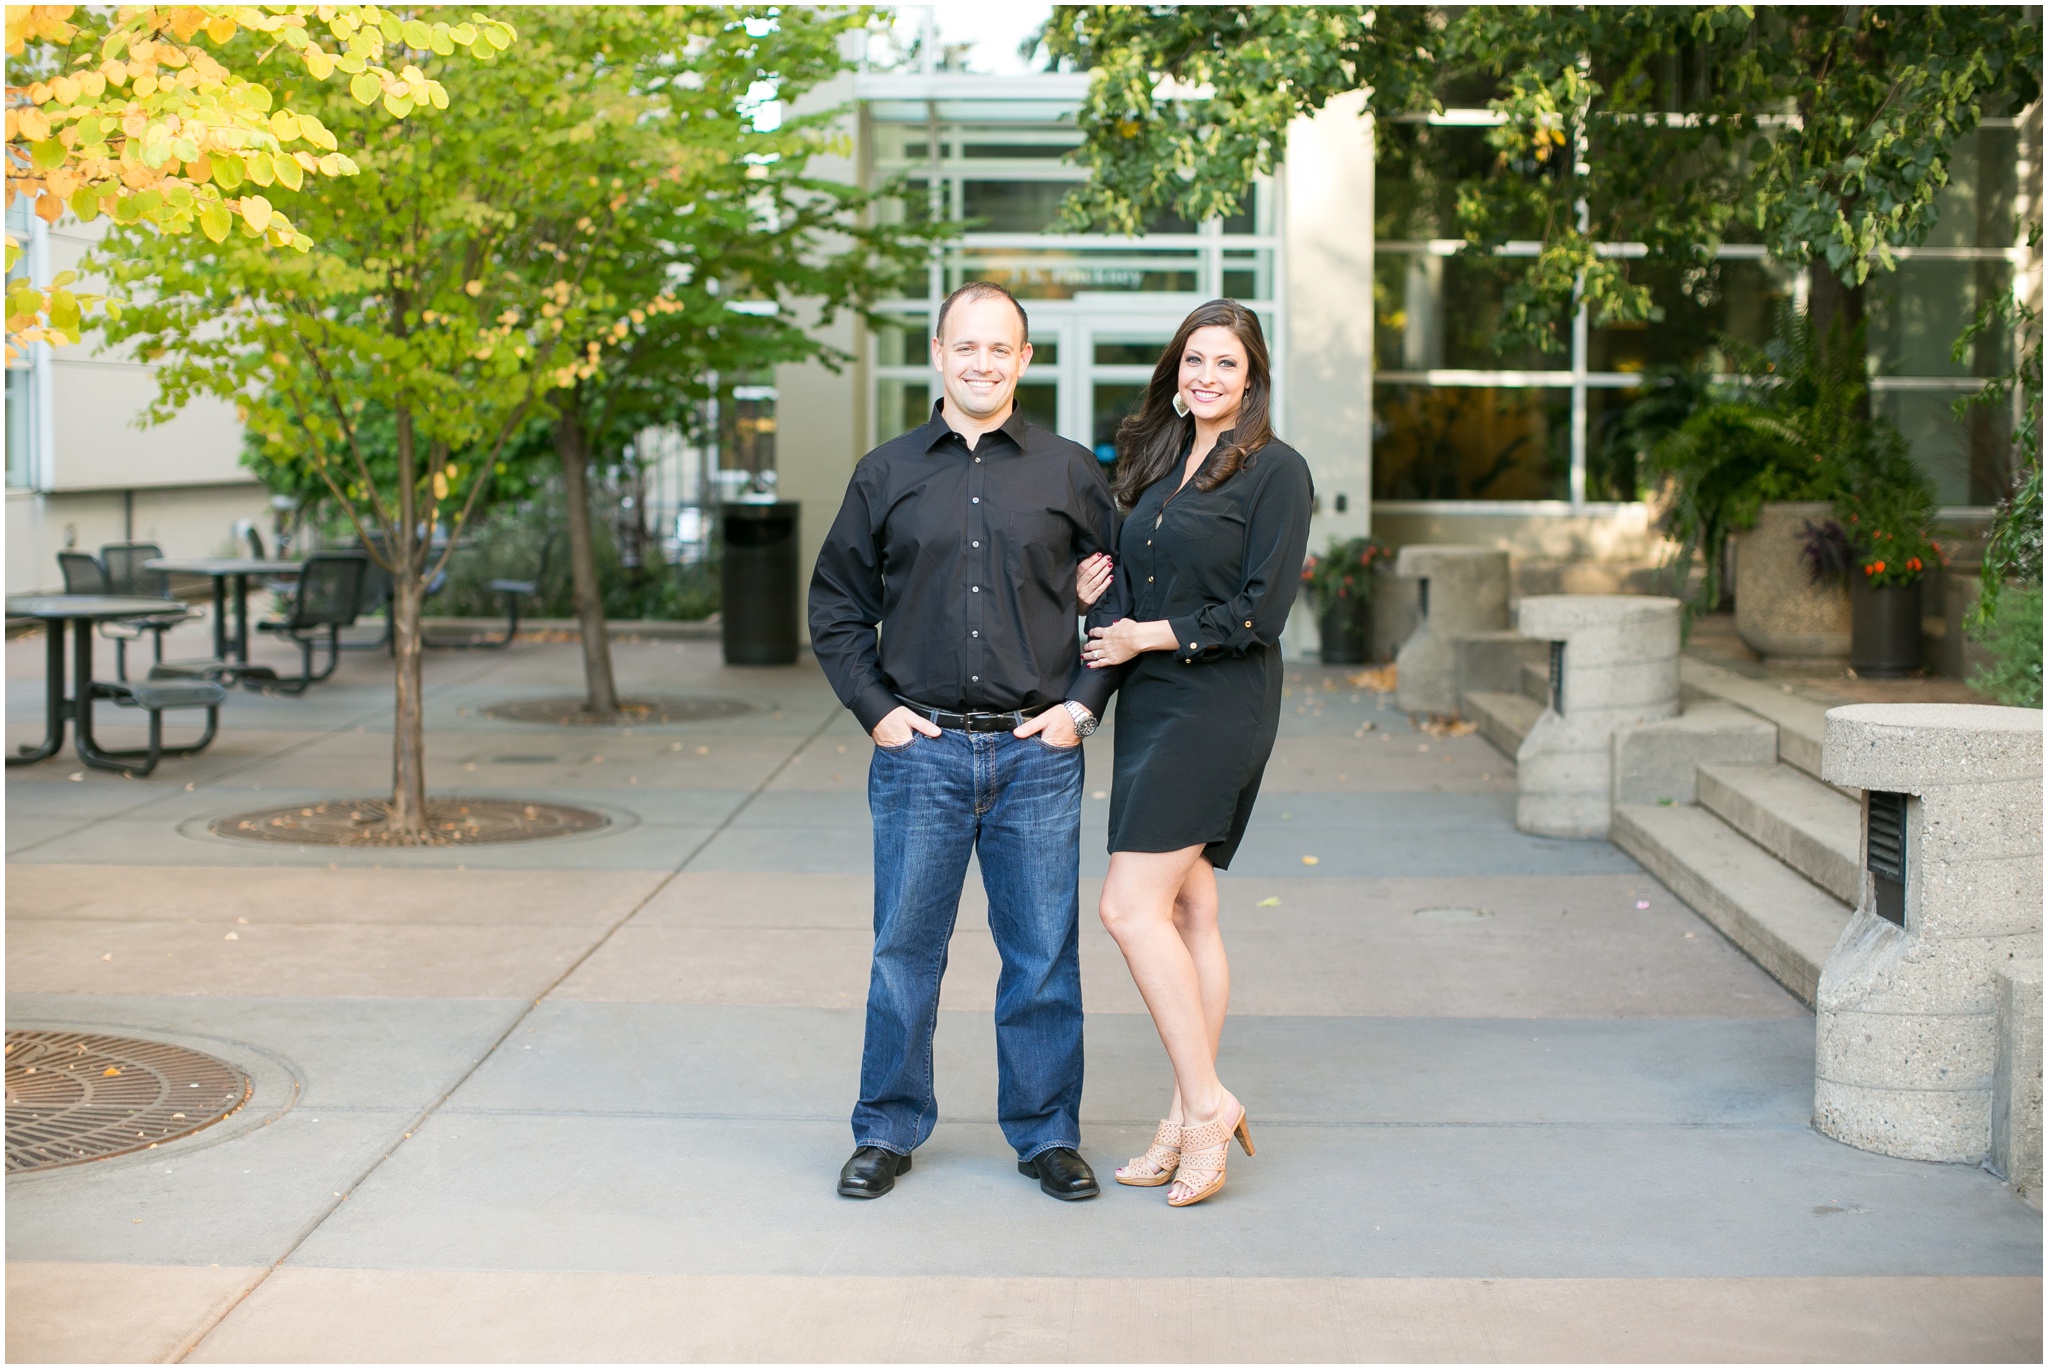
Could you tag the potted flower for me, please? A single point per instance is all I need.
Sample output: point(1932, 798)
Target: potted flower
point(1341, 582)
point(1887, 520)
point(1758, 462)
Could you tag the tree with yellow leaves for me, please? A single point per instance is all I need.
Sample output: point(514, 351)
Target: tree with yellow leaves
point(126, 113)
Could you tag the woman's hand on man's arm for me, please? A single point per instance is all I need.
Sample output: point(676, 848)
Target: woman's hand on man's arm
point(1125, 639)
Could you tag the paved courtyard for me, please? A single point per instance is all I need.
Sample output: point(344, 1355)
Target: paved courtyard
point(585, 1099)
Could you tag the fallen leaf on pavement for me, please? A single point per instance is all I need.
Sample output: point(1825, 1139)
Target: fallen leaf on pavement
point(1269, 903)
point(1379, 679)
point(1311, 860)
point(110, 1071)
point(1444, 725)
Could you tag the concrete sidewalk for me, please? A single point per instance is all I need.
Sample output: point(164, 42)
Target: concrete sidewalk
point(585, 1099)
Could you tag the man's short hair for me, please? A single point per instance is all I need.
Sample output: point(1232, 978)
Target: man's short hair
point(980, 289)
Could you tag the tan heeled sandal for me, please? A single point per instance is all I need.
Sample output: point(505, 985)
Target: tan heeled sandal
point(1203, 1149)
point(1157, 1164)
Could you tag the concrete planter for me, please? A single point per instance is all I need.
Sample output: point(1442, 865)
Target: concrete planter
point(1779, 612)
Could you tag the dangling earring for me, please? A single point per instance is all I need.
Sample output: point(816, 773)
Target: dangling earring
point(1180, 406)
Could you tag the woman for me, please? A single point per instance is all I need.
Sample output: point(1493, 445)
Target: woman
point(1206, 569)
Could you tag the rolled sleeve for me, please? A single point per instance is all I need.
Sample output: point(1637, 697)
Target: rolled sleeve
point(1276, 541)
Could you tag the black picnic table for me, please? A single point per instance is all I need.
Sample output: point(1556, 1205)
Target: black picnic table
point(83, 611)
point(221, 570)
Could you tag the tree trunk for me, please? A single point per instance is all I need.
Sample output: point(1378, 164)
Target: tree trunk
point(601, 695)
point(1836, 310)
point(408, 729)
point(408, 812)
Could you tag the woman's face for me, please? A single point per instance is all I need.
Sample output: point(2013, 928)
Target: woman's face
point(1212, 374)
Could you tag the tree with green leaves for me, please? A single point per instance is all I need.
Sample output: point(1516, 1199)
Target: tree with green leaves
point(442, 299)
point(744, 249)
point(1824, 132)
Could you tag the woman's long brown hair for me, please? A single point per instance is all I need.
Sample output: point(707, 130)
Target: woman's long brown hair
point(1152, 441)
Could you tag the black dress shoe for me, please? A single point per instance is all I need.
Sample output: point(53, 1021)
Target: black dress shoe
point(1061, 1174)
point(871, 1172)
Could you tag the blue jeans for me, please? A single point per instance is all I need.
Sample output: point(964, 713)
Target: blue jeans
point(1017, 805)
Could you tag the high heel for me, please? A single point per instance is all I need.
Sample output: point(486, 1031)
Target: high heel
point(1203, 1149)
point(1162, 1157)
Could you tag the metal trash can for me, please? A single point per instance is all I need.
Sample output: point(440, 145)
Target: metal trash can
point(758, 583)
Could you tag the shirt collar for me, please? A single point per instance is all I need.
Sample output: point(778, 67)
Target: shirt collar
point(936, 429)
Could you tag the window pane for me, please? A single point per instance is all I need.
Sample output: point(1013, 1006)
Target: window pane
point(902, 343)
point(1738, 298)
point(1967, 457)
point(1458, 442)
point(1140, 353)
point(1917, 312)
point(1433, 312)
point(1976, 206)
point(1246, 219)
point(1045, 351)
point(901, 405)
point(1041, 404)
point(1113, 403)
point(1013, 206)
point(1416, 177)
point(1248, 275)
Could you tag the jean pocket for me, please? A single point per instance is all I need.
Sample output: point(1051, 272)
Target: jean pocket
point(1039, 737)
point(899, 750)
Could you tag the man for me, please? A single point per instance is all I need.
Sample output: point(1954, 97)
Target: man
point(959, 541)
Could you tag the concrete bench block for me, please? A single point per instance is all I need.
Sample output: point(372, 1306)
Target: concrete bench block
point(1618, 668)
point(1462, 590)
point(1908, 1016)
point(2016, 1080)
point(1493, 662)
point(1658, 762)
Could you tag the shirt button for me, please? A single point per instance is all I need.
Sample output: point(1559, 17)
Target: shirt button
point(975, 588)
point(1247, 622)
point(977, 461)
point(974, 679)
point(977, 544)
point(974, 634)
point(1193, 647)
point(1148, 541)
point(975, 500)
point(1148, 579)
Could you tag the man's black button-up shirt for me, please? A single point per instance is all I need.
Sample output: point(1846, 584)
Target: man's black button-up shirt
point(965, 560)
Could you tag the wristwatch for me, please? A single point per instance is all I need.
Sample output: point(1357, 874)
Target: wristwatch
point(1084, 721)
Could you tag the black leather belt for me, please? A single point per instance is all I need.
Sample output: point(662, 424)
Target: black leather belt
point(974, 722)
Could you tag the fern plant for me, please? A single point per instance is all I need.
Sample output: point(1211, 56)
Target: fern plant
point(1789, 426)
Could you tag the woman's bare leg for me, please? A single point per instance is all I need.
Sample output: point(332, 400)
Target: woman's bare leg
point(1194, 917)
point(1140, 906)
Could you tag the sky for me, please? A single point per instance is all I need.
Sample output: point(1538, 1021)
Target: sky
point(993, 29)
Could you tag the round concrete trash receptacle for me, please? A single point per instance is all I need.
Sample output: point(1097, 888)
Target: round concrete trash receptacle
point(758, 583)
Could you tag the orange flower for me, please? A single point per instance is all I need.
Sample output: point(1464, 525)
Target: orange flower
point(1912, 563)
point(1874, 568)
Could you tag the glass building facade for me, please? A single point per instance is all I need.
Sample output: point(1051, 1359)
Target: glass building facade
point(1459, 421)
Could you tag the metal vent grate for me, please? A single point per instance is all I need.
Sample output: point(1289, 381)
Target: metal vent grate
point(1885, 853)
point(73, 1096)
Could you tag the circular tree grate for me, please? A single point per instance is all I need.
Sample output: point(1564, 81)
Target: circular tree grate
point(450, 822)
point(73, 1097)
point(568, 711)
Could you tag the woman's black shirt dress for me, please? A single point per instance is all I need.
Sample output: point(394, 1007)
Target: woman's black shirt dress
point(1195, 726)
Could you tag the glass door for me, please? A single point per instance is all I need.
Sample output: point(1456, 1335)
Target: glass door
point(1121, 355)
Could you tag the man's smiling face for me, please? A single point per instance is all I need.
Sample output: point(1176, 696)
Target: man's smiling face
point(981, 355)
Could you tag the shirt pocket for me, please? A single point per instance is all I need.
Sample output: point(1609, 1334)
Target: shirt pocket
point(1038, 534)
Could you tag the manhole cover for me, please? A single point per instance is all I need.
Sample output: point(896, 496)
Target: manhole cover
point(568, 711)
point(1452, 914)
point(73, 1097)
point(450, 822)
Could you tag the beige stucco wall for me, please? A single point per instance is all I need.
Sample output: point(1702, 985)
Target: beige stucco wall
point(182, 479)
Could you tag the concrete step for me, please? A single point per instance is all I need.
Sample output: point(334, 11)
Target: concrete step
point(1799, 721)
point(1503, 718)
point(1782, 922)
point(1804, 823)
point(1535, 681)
